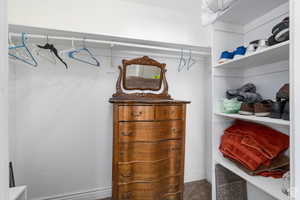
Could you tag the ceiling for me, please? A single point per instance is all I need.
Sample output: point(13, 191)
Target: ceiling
point(244, 11)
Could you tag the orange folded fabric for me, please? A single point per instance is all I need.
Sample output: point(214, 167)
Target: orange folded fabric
point(252, 144)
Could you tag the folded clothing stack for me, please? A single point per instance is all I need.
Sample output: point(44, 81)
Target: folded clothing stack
point(256, 148)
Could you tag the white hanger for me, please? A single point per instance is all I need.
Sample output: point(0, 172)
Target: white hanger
point(182, 62)
point(191, 61)
point(65, 53)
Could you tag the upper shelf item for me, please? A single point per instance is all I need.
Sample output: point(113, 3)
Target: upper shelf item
point(273, 54)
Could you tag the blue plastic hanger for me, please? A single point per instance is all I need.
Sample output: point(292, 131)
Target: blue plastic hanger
point(72, 54)
point(27, 51)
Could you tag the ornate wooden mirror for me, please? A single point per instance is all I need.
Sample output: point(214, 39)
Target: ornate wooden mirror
point(142, 77)
point(142, 74)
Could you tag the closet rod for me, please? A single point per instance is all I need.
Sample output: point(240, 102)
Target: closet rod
point(112, 43)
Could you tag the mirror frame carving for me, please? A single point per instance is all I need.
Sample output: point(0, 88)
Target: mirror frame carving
point(120, 94)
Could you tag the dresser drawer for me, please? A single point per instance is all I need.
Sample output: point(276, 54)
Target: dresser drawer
point(150, 190)
point(169, 112)
point(147, 171)
point(136, 113)
point(149, 151)
point(150, 131)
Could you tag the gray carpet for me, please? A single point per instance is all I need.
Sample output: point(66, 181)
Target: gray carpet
point(198, 190)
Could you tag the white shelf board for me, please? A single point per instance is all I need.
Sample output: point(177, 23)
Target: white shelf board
point(273, 54)
point(267, 184)
point(255, 119)
point(16, 192)
point(255, 8)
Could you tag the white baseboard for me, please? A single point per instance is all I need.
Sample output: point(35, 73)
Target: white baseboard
point(93, 194)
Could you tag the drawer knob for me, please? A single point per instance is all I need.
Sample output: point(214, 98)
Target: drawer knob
point(175, 131)
point(136, 114)
point(126, 175)
point(130, 133)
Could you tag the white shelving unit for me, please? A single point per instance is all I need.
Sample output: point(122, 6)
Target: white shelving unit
point(269, 69)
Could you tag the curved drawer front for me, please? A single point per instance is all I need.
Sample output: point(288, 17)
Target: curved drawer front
point(150, 131)
point(169, 112)
point(144, 151)
point(136, 113)
point(143, 171)
point(150, 190)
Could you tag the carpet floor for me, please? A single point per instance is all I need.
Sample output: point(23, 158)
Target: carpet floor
point(198, 190)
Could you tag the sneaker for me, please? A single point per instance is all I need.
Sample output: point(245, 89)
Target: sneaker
point(272, 41)
point(286, 111)
point(277, 109)
point(247, 109)
point(226, 56)
point(251, 48)
point(262, 44)
point(281, 30)
point(284, 92)
point(263, 108)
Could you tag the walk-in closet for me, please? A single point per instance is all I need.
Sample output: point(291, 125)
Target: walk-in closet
point(149, 100)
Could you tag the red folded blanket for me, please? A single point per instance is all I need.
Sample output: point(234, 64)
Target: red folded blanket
point(252, 144)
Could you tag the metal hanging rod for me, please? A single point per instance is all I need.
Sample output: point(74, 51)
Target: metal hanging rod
point(111, 43)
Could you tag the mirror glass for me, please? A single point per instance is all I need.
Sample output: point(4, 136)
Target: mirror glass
point(142, 77)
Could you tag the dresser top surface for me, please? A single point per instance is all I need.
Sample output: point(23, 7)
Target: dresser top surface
point(147, 101)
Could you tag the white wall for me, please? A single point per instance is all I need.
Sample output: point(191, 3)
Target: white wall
point(167, 21)
point(3, 102)
point(63, 124)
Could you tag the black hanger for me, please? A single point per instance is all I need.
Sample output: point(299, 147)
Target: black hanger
point(54, 50)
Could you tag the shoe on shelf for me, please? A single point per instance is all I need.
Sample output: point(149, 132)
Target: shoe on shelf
point(251, 48)
point(249, 97)
point(249, 87)
point(226, 56)
point(239, 52)
point(247, 109)
point(262, 44)
point(263, 108)
point(286, 111)
point(281, 30)
point(277, 109)
point(272, 41)
point(284, 92)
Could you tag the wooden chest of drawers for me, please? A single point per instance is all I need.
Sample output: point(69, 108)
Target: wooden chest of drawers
point(148, 150)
